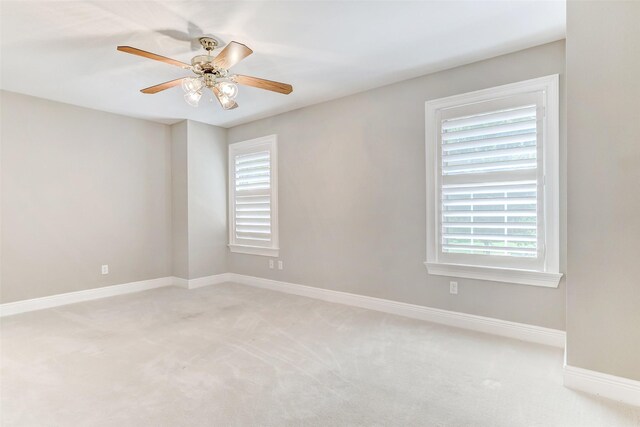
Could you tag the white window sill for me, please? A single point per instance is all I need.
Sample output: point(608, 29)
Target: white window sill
point(508, 275)
point(254, 250)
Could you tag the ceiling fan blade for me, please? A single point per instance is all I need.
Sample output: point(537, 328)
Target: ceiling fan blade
point(264, 84)
point(233, 53)
point(162, 86)
point(230, 105)
point(145, 54)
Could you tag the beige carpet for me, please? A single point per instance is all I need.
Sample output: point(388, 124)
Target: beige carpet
point(232, 355)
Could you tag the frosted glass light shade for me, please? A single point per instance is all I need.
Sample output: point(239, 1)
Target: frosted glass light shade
point(191, 84)
point(225, 101)
point(229, 89)
point(193, 98)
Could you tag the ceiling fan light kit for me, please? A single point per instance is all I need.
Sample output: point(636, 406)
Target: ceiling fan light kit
point(191, 84)
point(211, 72)
point(193, 98)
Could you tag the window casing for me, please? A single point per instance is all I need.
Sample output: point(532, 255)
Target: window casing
point(492, 184)
point(253, 196)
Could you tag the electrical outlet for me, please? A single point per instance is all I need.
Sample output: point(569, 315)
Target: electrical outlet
point(271, 264)
point(280, 265)
point(453, 288)
point(105, 269)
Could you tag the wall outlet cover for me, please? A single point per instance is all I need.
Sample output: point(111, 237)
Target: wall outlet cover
point(105, 269)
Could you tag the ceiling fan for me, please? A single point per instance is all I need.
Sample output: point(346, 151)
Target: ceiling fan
point(211, 72)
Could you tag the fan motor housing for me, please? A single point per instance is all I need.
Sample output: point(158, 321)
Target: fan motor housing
point(208, 43)
point(203, 64)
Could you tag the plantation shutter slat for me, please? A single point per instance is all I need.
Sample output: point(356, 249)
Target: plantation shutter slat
point(490, 201)
point(480, 119)
point(459, 133)
point(491, 207)
point(501, 237)
point(489, 250)
point(481, 225)
point(252, 202)
point(501, 140)
point(489, 214)
point(252, 171)
point(491, 154)
point(486, 166)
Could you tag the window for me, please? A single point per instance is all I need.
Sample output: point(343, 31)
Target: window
point(492, 184)
point(253, 196)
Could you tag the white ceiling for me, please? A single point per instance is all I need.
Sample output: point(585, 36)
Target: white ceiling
point(66, 51)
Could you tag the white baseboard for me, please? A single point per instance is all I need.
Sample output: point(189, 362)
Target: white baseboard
point(23, 306)
point(605, 385)
point(521, 331)
point(180, 282)
point(488, 325)
point(34, 304)
point(199, 282)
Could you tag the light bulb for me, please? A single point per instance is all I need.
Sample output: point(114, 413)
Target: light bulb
point(191, 84)
point(193, 98)
point(229, 89)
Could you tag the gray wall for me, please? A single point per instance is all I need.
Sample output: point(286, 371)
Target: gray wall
point(199, 182)
point(207, 166)
point(180, 200)
point(603, 300)
point(81, 188)
point(352, 194)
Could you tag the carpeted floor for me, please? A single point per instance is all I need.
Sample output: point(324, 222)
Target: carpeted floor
point(231, 355)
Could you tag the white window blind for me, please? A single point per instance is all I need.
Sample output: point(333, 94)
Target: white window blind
point(253, 196)
point(492, 182)
point(487, 210)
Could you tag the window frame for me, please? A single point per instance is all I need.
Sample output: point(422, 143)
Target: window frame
point(245, 147)
point(546, 273)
